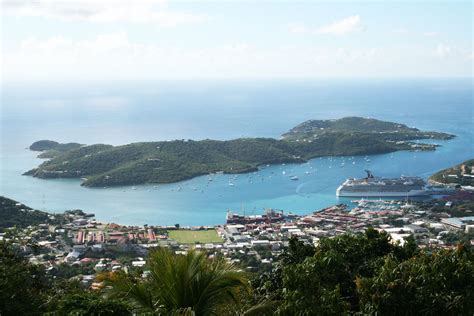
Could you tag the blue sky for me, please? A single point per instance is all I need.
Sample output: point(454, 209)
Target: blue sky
point(150, 39)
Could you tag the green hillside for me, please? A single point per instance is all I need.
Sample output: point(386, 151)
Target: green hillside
point(50, 148)
point(172, 161)
point(462, 174)
point(13, 213)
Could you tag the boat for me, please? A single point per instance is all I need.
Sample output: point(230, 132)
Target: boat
point(231, 184)
point(372, 186)
point(294, 178)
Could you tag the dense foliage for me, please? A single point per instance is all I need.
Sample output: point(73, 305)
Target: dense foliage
point(368, 274)
point(349, 274)
point(23, 287)
point(439, 283)
point(177, 284)
point(172, 161)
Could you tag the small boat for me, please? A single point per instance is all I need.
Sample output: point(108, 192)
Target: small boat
point(294, 178)
point(231, 184)
point(134, 188)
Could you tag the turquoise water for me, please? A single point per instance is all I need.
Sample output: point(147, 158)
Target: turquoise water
point(124, 112)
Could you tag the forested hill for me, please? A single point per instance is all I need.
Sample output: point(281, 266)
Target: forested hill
point(462, 174)
point(312, 129)
point(172, 161)
point(51, 148)
point(16, 214)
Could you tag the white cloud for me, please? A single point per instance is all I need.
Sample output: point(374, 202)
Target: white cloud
point(297, 28)
point(102, 11)
point(341, 27)
point(344, 26)
point(444, 51)
point(115, 56)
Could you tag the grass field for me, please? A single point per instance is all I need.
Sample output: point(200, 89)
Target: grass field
point(195, 236)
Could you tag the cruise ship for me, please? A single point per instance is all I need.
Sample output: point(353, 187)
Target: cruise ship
point(382, 187)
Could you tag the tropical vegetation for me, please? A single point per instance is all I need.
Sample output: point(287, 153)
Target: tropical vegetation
point(359, 274)
point(171, 161)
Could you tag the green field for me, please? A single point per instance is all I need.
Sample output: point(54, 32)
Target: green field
point(194, 236)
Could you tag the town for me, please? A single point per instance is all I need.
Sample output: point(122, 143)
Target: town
point(79, 246)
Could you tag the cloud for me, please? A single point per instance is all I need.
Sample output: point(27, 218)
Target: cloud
point(297, 28)
point(116, 56)
point(445, 51)
point(344, 26)
point(102, 11)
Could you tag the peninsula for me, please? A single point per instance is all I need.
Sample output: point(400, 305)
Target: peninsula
point(102, 165)
point(461, 174)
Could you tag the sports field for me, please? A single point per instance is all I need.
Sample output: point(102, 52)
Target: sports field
point(195, 236)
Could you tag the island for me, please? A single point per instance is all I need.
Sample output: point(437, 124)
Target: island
point(51, 148)
point(103, 165)
point(461, 174)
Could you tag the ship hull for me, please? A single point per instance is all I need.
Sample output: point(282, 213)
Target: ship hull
point(343, 193)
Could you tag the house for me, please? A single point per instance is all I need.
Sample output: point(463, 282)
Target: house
point(72, 256)
point(415, 229)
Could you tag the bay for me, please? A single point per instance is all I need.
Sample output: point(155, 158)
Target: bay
point(123, 112)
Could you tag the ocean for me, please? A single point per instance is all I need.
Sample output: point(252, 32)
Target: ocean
point(123, 112)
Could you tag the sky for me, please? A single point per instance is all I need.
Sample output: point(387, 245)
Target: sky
point(157, 39)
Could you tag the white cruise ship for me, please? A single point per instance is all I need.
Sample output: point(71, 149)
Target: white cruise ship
point(382, 187)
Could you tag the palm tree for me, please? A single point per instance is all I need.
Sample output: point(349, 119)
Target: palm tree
point(190, 284)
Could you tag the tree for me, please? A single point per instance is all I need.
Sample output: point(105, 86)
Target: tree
point(310, 280)
point(181, 284)
point(437, 283)
point(23, 286)
point(88, 303)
